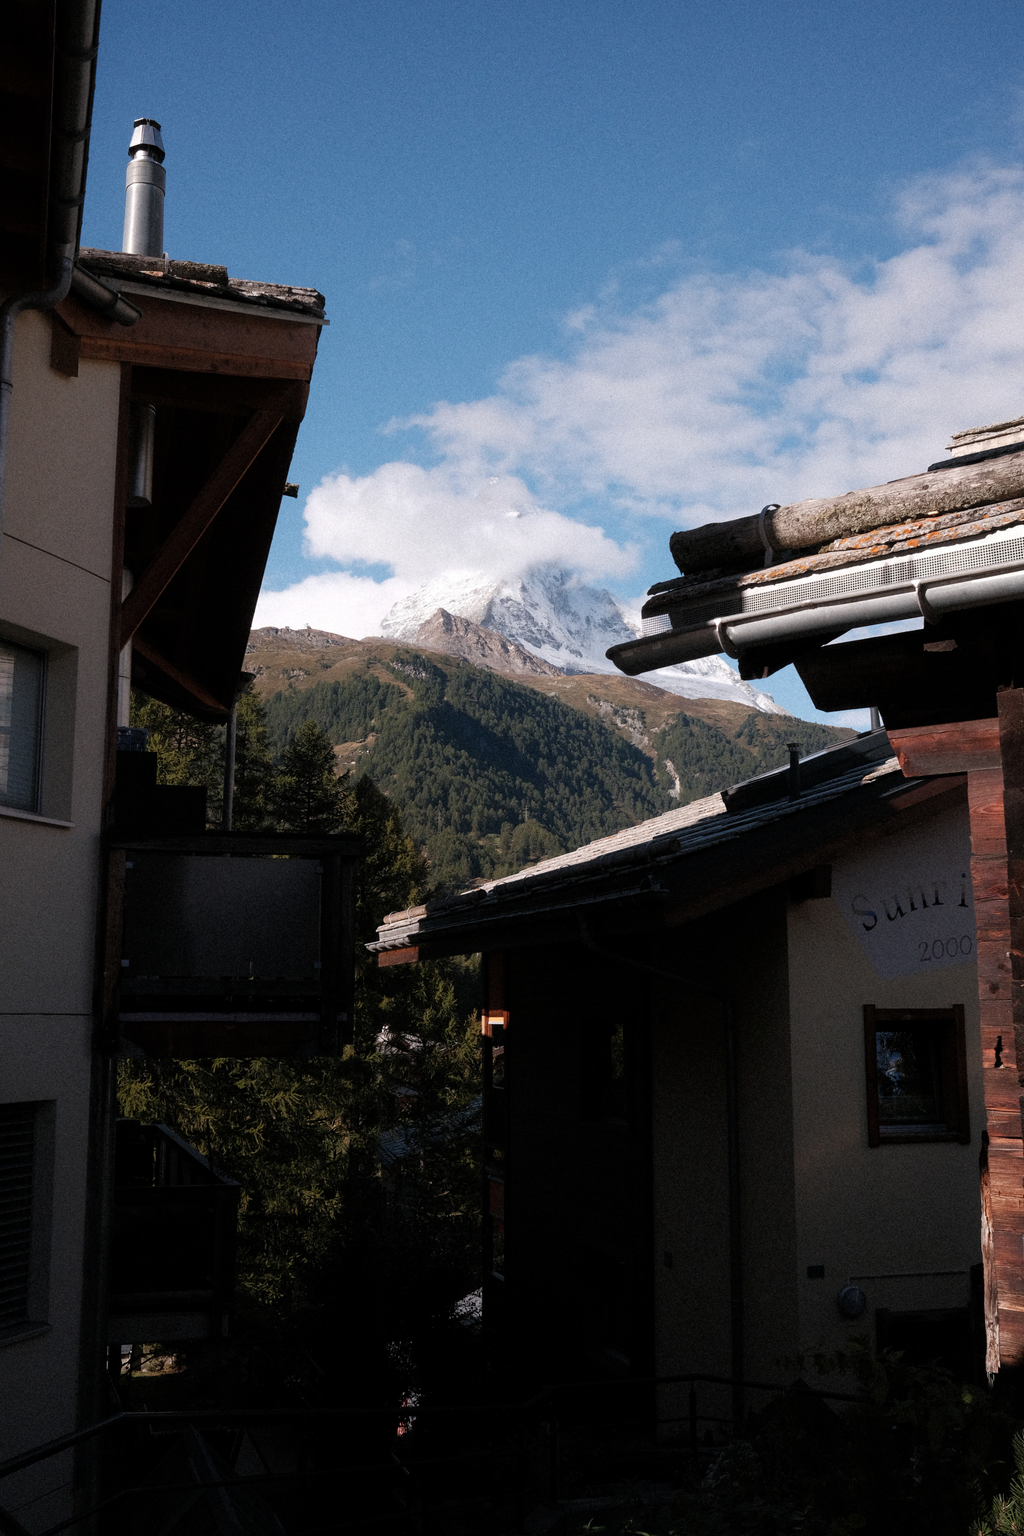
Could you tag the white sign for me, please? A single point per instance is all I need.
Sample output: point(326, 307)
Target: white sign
point(908, 899)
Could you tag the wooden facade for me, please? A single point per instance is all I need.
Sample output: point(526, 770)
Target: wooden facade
point(991, 752)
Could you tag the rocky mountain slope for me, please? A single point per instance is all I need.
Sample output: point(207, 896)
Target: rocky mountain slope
point(443, 631)
point(570, 625)
point(496, 765)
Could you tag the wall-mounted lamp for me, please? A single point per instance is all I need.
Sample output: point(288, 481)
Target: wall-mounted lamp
point(851, 1301)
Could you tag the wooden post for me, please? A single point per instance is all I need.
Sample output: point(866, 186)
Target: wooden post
point(987, 750)
point(1010, 703)
point(1007, 1195)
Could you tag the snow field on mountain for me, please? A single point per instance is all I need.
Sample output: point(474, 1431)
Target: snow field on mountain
point(552, 614)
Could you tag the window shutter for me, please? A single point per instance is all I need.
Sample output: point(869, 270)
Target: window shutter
point(17, 1127)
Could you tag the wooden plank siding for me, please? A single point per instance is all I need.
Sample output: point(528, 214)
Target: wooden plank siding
point(1002, 1147)
point(985, 749)
point(1004, 983)
point(1003, 1152)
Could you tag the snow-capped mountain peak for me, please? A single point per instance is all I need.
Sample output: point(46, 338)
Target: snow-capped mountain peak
point(549, 612)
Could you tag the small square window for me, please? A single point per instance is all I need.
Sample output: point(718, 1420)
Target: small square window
point(22, 680)
point(916, 1065)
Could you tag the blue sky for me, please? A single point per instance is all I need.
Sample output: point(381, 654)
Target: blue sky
point(613, 267)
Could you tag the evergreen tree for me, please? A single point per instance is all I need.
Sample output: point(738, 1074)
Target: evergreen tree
point(308, 795)
point(253, 806)
point(357, 1173)
point(279, 1128)
point(394, 874)
point(465, 753)
point(188, 751)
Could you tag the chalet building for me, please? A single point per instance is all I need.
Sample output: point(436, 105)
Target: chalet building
point(149, 411)
point(734, 1103)
point(945, 548)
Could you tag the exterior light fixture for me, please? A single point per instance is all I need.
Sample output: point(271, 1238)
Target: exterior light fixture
point(851, 1301)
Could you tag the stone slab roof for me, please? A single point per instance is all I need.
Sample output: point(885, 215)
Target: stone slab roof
point(630, 853)
point(199, 280)
point(857, 549)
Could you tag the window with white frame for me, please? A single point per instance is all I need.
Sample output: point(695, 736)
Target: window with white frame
point(22, 685)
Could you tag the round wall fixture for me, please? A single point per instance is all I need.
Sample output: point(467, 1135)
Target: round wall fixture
point(851, 1301)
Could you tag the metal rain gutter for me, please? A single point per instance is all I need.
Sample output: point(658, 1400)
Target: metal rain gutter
point(103, 297)
point(930, 585)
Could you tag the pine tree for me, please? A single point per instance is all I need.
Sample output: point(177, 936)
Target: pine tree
point(358, 1172)
point(188, 751)
point(308, 795)
point(253, 805)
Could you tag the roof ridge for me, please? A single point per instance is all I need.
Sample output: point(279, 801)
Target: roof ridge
point(715, 825)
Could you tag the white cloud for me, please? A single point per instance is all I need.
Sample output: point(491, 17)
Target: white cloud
point(422, 520)
point(727, 391)
point(424, 523)
point(337, 601)
point(720, 394)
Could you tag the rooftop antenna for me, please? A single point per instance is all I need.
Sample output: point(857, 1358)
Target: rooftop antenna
point(144, 191)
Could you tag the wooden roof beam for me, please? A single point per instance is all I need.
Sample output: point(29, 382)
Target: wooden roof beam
point(189, 529)
point(184, 680)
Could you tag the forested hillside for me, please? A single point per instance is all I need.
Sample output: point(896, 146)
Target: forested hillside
point(490, 773)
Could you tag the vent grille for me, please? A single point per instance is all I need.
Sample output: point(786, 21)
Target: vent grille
point(17, 1128)
point(876, 576)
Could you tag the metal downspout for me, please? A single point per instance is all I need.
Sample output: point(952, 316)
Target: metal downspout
point(732, 1137)
point(229, 767)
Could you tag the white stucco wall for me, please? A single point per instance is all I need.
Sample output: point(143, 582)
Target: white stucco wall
point(863, 1210)
point(813, 1192)
point(55, 596)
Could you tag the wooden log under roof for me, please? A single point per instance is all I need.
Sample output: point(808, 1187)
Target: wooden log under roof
point(809, 524)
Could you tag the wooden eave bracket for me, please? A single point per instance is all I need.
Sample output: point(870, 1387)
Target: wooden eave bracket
point(183, 679)
point(945, 749)
point(195, 521)
point(901, 799)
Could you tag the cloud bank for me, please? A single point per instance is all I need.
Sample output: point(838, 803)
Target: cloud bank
point(425, 523)
point(721, 393)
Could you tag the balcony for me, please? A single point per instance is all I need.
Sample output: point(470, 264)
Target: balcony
point(172, 1256)
point(225, 944)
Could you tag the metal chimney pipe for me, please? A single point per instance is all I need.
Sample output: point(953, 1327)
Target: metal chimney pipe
point(144, 191)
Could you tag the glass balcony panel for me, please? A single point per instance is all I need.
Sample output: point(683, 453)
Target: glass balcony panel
point(206, 918)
